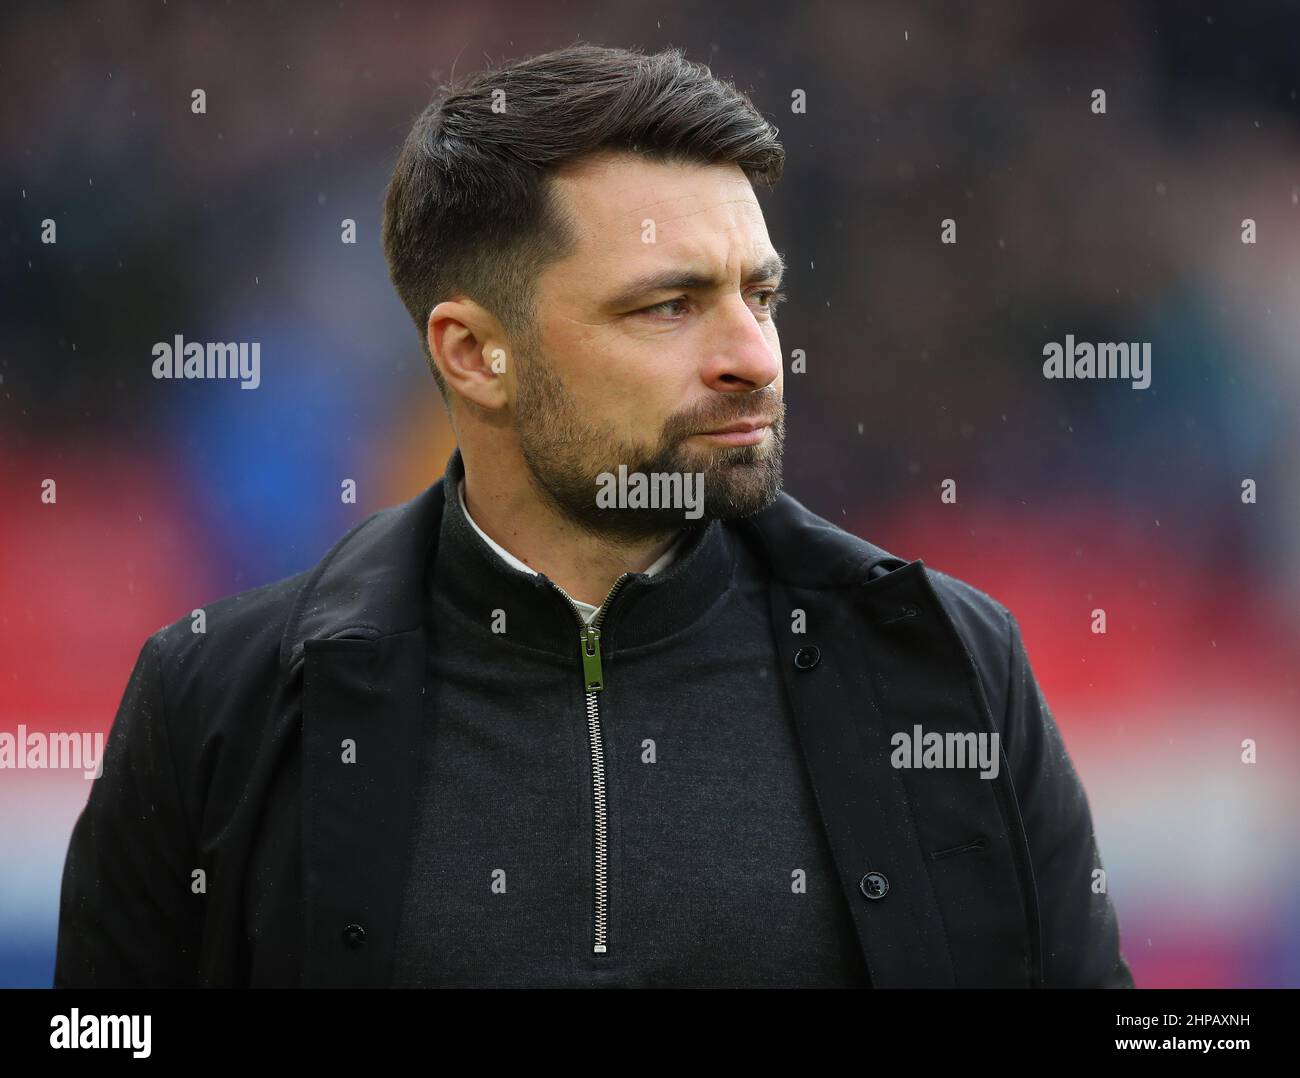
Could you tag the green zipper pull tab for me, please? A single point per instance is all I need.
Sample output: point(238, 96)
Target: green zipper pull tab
point(590, 645)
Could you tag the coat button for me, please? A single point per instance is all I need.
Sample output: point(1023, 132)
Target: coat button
point(904, 612)
point(874, 885)
point(354, 935)
point(807, 657)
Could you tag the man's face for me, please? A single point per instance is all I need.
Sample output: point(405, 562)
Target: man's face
point(633, 373)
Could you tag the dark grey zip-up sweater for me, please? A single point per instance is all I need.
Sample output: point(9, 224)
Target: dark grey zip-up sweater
point(717, 870)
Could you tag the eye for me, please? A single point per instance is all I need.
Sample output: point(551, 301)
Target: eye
point(773, 297)
point(659, 308)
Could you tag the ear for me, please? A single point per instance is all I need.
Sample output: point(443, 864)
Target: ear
point(472, 352)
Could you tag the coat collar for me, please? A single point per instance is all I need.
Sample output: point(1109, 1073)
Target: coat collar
point(469, 577)
point(373, 582)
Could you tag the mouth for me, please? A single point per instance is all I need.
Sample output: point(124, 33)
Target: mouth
point(748, 432)
point(745, 426)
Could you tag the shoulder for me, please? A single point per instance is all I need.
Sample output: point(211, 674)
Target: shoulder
point(987, 631)
point(201, 685)
point(807, 550)
point(242, 632)
point(978, 616)
point(225, 648)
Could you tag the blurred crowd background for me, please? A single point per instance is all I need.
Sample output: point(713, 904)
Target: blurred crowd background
point(924, 363)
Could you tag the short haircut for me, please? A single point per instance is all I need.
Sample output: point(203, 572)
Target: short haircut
point(469, 209)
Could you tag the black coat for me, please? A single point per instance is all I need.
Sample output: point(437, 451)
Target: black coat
point(225, 844)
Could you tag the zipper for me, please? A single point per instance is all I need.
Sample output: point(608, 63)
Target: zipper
point(592, 682)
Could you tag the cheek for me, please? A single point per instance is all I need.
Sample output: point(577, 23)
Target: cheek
point(631, 388)
point(580, 356)
point(644, 395)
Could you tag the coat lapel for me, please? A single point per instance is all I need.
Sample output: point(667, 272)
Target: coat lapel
point(361, 719)
point(357, 641)
point(879, 654)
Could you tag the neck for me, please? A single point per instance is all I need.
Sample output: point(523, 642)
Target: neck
point(586, 566)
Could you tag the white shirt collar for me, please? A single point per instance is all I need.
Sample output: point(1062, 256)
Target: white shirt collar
point(588, 611)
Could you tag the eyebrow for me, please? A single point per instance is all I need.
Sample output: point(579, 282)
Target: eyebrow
point(682, 279)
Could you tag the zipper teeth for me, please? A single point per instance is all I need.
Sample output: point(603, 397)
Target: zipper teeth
point(600, 614)
point(601, 837)
point(598, 795)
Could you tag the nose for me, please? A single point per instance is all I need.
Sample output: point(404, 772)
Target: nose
point(746, 354)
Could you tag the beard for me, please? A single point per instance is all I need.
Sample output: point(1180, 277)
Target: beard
point(565, 455)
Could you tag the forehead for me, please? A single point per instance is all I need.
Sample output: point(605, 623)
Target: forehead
point(696, 210)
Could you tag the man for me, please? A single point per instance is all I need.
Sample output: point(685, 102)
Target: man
point(533, 729)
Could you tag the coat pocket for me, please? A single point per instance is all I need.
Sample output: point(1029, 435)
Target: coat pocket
point(979, 842)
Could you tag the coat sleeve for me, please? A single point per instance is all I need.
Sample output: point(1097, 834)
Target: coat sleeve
point(1080, 930)
point(128, 914)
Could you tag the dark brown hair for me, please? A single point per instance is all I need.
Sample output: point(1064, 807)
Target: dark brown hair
point(469, 210)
